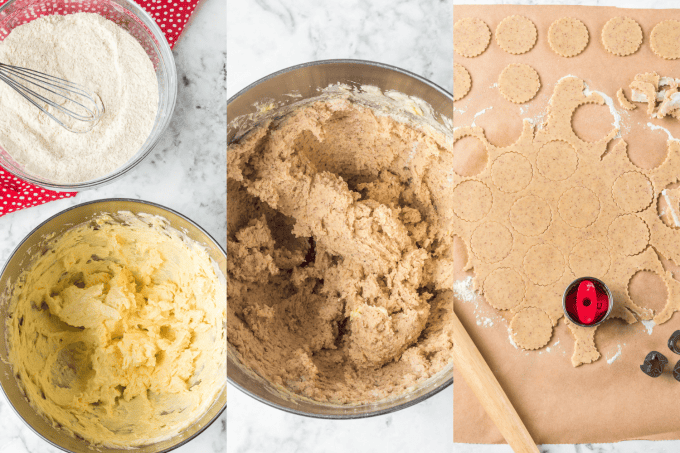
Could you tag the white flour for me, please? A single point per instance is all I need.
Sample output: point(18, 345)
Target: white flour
point(90, 50)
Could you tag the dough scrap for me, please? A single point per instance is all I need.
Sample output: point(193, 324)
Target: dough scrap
point(461, 82)
point(471, 37)
point(519, 83)
point(612, 223)
point(623, 100)
point(491, 242)
point(662, 94)
point(568, 37)
point(516, 34)
point(531, 328)
point(621, 36)
point(665, 39)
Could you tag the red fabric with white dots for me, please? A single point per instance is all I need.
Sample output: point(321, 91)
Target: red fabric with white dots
point(16, 194)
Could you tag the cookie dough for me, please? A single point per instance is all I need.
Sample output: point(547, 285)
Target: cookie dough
point(340, 252)
point(117, 334)
point(471, 37)
point(568, 37)
point(516, 35)
point(621, 36)
point(665, 39)
point(602, 221)
point(519, 83)
point(461, 82)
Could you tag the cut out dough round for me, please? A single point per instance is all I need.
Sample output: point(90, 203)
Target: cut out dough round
point(628, 234)
point(632, 192)
point(471, 37)
point(472, 200)
point(504, 289)
point(568, 37)
point(511, 172)
point(557, 160)
point(665, 39)
point(544, 264)
point(531, 328)
point(470, 155)
point(530, 215)
point(621, 36)
point(461, 82)
point(491, 242)
point(519, 83)
point(589, 258)
point(516, 35)
point(579, 207)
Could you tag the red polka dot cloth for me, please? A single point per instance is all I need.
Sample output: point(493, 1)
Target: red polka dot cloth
point(170, 15)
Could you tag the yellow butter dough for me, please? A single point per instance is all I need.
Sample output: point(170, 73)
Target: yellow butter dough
point(519, 83)
point(561, 208)
point(516, 34)
point(471, 37)
point(665, 39)
point(461, 82)
point(339, 252)
point(568, 36)
point(621, 36)
point(117, 331)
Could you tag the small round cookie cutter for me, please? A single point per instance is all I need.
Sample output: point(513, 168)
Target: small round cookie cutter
point(582, 301)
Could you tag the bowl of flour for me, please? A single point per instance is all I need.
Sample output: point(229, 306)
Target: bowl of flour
point(111, 47)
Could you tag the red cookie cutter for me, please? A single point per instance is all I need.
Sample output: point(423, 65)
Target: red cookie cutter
point(587, 301)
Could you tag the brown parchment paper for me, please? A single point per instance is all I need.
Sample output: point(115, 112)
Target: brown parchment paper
point(610, 400)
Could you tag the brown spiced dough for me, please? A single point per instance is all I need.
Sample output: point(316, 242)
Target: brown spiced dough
point(339, 253)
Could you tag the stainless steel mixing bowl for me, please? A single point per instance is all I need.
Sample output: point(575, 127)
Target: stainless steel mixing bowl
point(272, 94)
point(22, 257)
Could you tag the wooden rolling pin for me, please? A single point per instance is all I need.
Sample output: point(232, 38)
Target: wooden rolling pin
point(471, 365)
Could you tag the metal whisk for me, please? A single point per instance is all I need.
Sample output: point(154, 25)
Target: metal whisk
point(70, 105)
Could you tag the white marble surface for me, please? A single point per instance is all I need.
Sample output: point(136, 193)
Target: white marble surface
point(620, 447)
point(186, 172)
point(267, 35)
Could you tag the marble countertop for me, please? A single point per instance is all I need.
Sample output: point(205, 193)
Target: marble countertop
point(411, 34)
point(620, 447)
point(185, 172)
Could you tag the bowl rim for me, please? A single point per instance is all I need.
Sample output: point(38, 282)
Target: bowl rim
point(143, 203)
point(397, 407)
point(166, 52)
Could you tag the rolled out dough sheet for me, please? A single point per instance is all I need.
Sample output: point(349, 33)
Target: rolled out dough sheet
point(610, 400)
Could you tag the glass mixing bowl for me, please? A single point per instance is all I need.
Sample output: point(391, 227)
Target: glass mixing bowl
point(278, 93)
point(22, 258)
point(133, 19)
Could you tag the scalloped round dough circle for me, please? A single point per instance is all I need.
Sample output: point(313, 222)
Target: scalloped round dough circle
point(544, 264)
point(472, 200)
point(516, 34)
point(519, 83)
point(504, 288)
point(471, 37)
point(530, 215)
point(665, 39)
point(628, 234)
point(461, 82)
point(589, 258)
point(621, 36)
point(470, 155)
point(568, 37)
point(578, 207)
point(557, 160)
point(511, 172)
point(531, 328)
point(491, 242)
point(632, 192)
